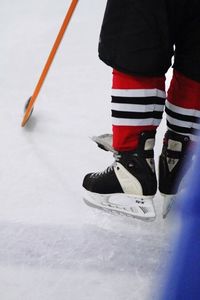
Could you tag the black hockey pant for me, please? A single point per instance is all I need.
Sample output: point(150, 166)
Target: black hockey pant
point(140, 37)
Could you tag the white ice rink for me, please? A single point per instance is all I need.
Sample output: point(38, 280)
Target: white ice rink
point(52, 246)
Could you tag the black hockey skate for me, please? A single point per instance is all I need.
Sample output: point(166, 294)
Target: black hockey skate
point(173, 166)
point(128, 186)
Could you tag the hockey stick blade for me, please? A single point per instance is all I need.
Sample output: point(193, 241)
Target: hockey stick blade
point(28, 109)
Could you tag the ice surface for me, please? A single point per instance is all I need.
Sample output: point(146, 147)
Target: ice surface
point(52, 246)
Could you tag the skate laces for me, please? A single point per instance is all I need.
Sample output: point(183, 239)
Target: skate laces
point(110, 168)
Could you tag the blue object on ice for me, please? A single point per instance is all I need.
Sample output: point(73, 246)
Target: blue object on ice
point(183, 279)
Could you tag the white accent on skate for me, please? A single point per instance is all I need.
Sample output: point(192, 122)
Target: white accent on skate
point(168, 201)
point(149, 144)
point(135, 122)
point(122, 204)
point(136, 107)
point(138, 93)
point(174, 145)
point(172, 162)
point(128, 182)
point(151, 164)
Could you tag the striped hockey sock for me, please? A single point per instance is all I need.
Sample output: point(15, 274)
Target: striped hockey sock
point(183, 106)
point(137, 106)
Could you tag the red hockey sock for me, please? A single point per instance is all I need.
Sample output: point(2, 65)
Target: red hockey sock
point(137, 106)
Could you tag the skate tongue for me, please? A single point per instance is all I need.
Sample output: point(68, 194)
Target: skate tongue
point(104, 142)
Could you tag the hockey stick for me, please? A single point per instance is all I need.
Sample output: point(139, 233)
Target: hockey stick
point(32, 99)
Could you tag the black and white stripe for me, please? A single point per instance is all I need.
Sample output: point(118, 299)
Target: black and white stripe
point(183, 120)
point(137, 107)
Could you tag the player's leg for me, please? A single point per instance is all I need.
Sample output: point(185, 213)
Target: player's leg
point(129, 185)
point(131, 43)
point(182, 105)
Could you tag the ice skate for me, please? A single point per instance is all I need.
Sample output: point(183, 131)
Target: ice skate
point(128, 186)
point(174, 163)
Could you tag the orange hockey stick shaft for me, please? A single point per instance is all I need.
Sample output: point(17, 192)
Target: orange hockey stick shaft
point(49, 62)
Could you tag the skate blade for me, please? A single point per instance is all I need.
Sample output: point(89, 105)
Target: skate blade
point(168, 201)
point(123, 205)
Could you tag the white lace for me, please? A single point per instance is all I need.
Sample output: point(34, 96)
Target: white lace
point(110, 168)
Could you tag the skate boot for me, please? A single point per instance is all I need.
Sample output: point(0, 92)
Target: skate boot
point(173, 167)
point(128, 186)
